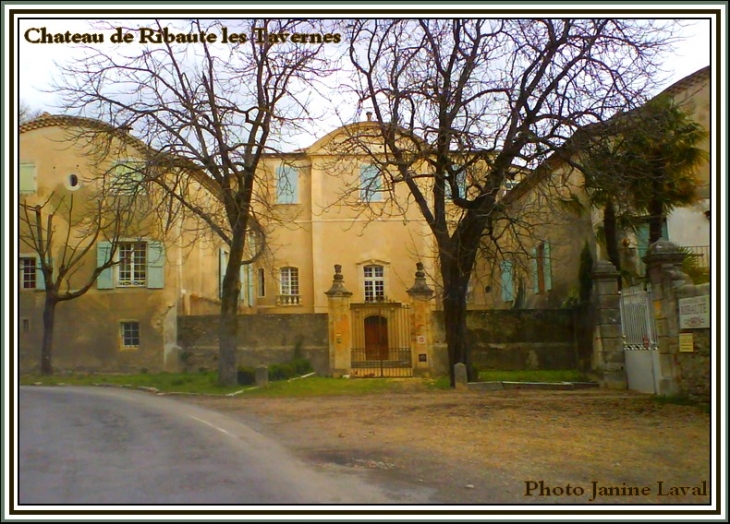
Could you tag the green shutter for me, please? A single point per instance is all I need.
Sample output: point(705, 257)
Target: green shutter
point(547, 268)
point(250, 277)
point(105, 280)
point(535, 278)
point(508, 289)
point(27, 178)
point(287, 185)
point(155, 265)
point(242, 279)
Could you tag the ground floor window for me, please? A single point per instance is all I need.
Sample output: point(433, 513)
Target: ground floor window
point(28, 272)
point(130, 334)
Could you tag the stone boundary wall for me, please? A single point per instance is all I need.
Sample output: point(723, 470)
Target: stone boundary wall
point(518, 339)
point(262, 340)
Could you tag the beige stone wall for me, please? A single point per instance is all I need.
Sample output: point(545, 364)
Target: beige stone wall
point(88, 332)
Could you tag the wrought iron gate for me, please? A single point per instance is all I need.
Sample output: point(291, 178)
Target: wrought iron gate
point(638, 327)
point(381, 336)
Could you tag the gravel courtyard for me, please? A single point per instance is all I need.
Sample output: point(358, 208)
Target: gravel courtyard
point(509, 447)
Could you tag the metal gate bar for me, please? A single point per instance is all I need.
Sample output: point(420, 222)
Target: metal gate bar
point(384, 351)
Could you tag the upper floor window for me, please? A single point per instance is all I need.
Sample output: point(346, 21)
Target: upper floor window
point(127, 177)
point(287, 185)
point(371, 184)
point(27, 178)
point(139, 264)
point(460, 177)
point(374, 279)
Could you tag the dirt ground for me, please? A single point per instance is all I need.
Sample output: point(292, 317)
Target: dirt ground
point(508, 447)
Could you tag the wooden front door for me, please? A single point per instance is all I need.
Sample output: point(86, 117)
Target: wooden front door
point(376, 338)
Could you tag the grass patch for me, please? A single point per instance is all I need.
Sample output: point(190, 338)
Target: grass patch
point(167, 382)
point(206, 383)
point(567, 375)
point(682, 400)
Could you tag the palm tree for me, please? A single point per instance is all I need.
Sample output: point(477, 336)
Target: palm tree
point(664, 153)
point(642, 168)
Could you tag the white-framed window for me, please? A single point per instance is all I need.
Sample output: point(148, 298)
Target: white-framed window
point(132, 268)
point(139, 263)
point(129, 334)
point(288, 286)
point(287, 185)
point(374, 280)
point(29, 272)
point(27, 182)
point(371, 183)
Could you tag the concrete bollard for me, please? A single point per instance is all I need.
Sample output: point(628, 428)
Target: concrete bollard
point(460, 377)
point(262, 376)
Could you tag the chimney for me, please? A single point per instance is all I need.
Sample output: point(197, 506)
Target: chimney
point(369, 116)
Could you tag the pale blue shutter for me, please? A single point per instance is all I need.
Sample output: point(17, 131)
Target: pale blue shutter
point(27, 178)
point(222, 263)
point(547, 267)
point(40, 280)
point(370, 183)
point(242, 279)
point(249, 276)
point(508, 290)
point(535, 277)
point(105, 280)
point(155, 265)
point(287, 182)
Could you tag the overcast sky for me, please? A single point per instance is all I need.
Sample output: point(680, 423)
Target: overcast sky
point(37, 62)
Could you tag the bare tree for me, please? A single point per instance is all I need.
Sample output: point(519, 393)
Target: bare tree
point(215, 107)
point(463, 107)
point(26, 112)
point(61, 232)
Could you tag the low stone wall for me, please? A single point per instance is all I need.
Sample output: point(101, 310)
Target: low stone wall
point(524, 339)
point(262, 340)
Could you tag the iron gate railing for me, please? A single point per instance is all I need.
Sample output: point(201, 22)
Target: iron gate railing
point(638, 324)
point(381, 337)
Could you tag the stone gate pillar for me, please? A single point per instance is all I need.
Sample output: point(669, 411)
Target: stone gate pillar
point(664, 269)
point(339, 325)
point(421, 317)
point(608, 348)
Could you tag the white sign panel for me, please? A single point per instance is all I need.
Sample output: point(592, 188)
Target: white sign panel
point(694, 313)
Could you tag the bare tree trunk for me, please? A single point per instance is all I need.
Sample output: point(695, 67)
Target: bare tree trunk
point(228, 325)
point(611, 234)
point(454, 302)
point(49, 318)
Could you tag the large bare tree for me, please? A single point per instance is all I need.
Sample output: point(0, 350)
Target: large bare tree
point(463, 107)
point(215, 107)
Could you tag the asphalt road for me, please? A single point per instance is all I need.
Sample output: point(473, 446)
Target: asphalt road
point(112, 446)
